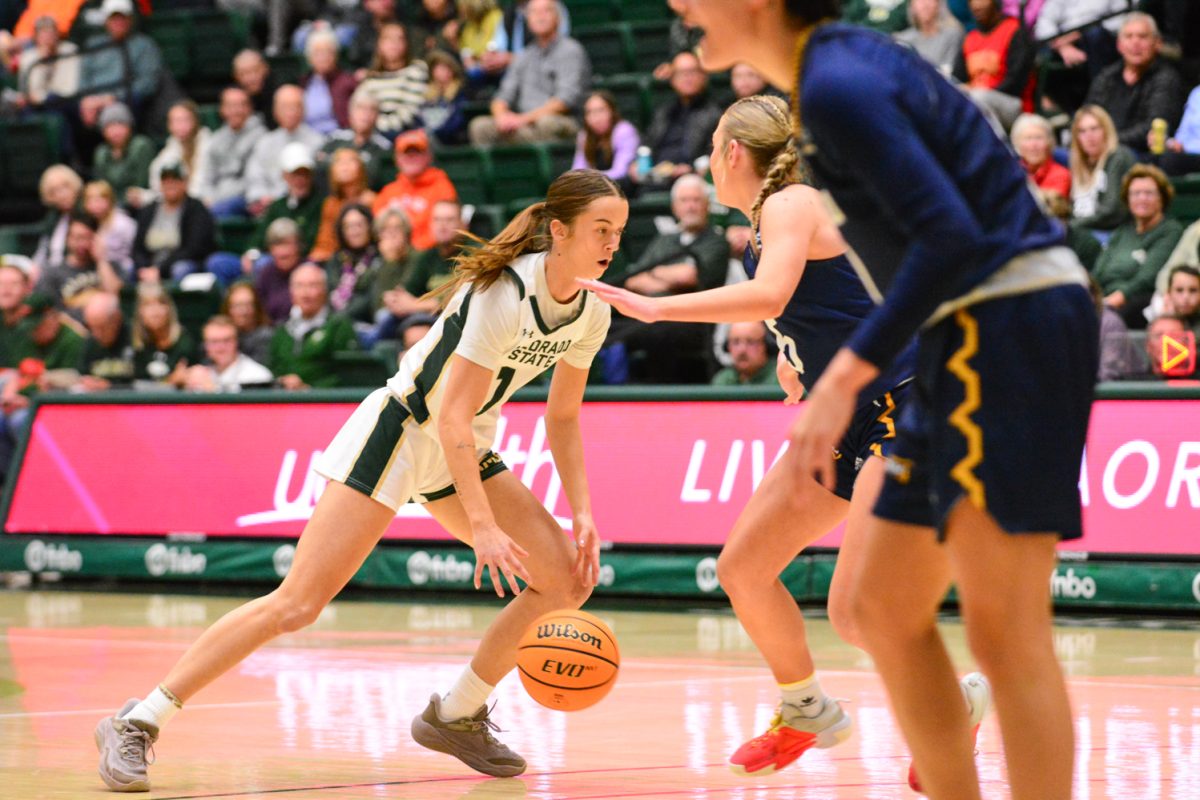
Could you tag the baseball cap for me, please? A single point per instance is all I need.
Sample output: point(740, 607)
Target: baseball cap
point(295, 156)
point(114, 113)
point(110, 7)
point(412, 140)
point(174, 169)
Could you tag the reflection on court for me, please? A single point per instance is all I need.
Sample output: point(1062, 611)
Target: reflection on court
point(325, 713)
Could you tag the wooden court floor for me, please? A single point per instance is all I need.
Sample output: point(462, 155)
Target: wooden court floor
point(325, 713)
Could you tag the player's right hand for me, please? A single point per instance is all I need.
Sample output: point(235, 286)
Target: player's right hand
point(501, 555)
point(789, 380)
point(637, 306)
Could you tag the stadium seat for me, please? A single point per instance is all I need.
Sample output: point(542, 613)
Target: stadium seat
point(361, 368)
point(560, 156)
point(650, 42)
point(286, 67)
point(196, 308)
point(518, 171)
point(27, 148)
point(609, 48)
point(469, 171)
point(487, 221)
point(590, 12)
point(172, 33)
point(210, 116)
point(642, 10)
point(215, 40)
point(236, 234)
point(632, 91)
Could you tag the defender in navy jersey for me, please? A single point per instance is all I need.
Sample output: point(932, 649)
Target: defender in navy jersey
point(983, 477)
point(514, 310)
point(803, 285)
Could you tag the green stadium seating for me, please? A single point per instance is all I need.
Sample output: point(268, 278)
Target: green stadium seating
point(650, 42)
point(196, 308)
point(27, 148)
point(172, 33)
point(518, 171)
point(632, 91)
point(21, 239)
point(560, 156)
point(487, 221)
point(361, 368)
point(610, 48)
point(236, 234)
point(469, 171)
point(215, 40)
point(287, 67)
point(641, 228)
point(590, 12)
point(640, 10)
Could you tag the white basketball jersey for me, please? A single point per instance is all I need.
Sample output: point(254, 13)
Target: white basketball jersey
point(513, 328)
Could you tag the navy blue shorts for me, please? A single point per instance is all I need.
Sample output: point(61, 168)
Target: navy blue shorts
point(999, 415)
point(871, 433)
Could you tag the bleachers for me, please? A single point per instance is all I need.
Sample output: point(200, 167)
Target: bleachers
point(27, 148)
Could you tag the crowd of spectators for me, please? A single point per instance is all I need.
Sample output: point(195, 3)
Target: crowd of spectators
point(350, 221)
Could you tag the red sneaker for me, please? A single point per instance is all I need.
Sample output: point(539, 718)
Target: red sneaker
point(783, 742)
point(979, 695)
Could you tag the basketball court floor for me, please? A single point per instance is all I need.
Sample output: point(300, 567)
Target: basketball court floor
point(325, 713)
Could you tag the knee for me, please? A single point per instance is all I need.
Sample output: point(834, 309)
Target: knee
point(735, 573)
point(842, 617)
point(566, 590)
point(1001, 646)
point(289, 614)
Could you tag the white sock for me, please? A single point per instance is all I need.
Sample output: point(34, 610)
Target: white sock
point(805, 696)
point(465, 696)
point(157, 709)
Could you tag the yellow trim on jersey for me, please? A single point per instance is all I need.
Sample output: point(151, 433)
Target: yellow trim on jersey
point(963, 471)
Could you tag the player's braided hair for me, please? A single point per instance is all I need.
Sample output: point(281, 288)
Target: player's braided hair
point(529, 231)
point(762, 126)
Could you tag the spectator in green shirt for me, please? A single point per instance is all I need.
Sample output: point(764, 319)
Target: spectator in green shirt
point(14, 314)
point(57, 345)
point(124, 158)
point(1138, 249)
point(753, 357)
point(162, 349)
point(302, 203)
point(303, 346)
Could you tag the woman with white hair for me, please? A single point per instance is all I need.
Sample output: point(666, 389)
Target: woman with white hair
point(933, 32)
point(327, 89)
point(1033, 139)
point(59, 187)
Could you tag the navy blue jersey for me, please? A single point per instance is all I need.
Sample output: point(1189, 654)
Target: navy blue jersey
point(933, 199)
point(826, 308)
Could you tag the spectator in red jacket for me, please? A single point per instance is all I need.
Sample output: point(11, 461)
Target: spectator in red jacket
point(1033, 139)
point(418, 186)
point(996, 63)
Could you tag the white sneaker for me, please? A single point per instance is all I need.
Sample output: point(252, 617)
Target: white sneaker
point(125, 751)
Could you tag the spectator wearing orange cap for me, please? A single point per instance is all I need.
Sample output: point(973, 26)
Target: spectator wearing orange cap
point(418, 186)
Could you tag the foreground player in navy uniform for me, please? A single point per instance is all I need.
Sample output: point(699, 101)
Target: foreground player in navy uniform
point(803, 285)
point(982, 481)
point(515, 310)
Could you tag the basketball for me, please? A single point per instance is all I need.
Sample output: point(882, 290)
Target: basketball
point(568, 660)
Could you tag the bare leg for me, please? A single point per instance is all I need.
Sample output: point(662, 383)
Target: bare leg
point(850, 554)
point(787, 513)
point(345, 526)
point(902, 577)
point(551, 557)
point(1004, 583)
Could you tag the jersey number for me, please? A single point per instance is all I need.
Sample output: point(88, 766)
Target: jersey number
point(504, 378)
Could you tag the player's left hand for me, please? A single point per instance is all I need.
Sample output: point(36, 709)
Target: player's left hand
point(632, 305)
point(587, 550)
point(826, 416)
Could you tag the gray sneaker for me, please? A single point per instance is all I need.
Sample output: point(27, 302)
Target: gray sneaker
point(468, 739)
point(124, 745)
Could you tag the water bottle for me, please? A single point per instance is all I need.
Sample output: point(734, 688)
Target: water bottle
point(1158, 136)
point(644, 161)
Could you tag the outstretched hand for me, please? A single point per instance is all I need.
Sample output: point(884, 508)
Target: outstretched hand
point(587, 550)
point(501, 555)
point(632, 305)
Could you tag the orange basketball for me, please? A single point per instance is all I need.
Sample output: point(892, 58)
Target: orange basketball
point(568, 660)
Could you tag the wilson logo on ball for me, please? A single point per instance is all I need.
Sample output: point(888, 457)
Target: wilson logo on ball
point(569, 632)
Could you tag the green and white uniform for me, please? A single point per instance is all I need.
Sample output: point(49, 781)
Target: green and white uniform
point(389, 449)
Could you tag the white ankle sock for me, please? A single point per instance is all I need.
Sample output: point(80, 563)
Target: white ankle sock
point(465, 696)
point(157, 709)
point(806, 696)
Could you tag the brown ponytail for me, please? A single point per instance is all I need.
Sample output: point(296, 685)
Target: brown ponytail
point(762, 126)
point(529, 231)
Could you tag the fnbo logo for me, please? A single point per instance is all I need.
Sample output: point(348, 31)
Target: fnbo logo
point(281, 560)
point(164, 559)
point(1072, 586)
point(706, 575)
point(423, 568)
point(42, 557)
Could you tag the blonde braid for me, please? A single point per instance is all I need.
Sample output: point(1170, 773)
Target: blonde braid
point(783, 172)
